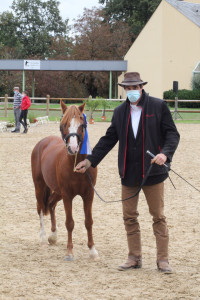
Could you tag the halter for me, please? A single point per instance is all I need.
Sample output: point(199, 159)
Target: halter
point(79, 136)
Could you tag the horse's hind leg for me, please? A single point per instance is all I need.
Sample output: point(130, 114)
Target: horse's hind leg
point(53, 200)
point(42, 193)
point(87, 200)
point(42, 231)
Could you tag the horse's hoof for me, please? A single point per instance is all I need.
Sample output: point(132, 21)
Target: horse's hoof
point(95, 258)
point(43, 239)
point(52, 240)
point(94, 254)
point(69, 258)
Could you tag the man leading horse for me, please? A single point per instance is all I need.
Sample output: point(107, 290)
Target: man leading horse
point(141, 123)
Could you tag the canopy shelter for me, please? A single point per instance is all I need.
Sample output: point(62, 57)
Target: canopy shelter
point(65, 65)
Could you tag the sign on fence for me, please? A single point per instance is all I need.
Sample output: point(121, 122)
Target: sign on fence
point(31, 64)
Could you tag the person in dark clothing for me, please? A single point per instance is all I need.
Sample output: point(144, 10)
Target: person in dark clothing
point(17, 108)
point(26, 103)
point(141, 123)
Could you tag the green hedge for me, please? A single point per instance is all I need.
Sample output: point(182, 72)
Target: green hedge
point(184, 95)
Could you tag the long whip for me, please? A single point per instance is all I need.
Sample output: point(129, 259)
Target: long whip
point(152, 155)
point(142, 184)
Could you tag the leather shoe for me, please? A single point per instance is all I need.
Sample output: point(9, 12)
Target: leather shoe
point(164, 267)
point(131, 263)
point(25, 130)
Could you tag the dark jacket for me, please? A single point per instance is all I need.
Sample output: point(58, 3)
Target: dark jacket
point(159, 134)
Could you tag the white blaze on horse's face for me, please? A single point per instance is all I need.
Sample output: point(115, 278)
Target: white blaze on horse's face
point(73, 145)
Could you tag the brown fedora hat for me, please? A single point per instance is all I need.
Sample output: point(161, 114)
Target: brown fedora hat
point(132, 78)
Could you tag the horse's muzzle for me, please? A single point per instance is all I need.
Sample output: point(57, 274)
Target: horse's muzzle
point(72, 150)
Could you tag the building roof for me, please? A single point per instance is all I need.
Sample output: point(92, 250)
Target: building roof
point(189, 10)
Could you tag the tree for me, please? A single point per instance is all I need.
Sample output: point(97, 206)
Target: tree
point(10, 46)
point(38, 24)
point(92, 105)
point(96, 39)
point(33, 30)
point(8, 32)
point(135, 13)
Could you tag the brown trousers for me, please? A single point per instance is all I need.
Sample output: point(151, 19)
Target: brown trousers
point(155, 199)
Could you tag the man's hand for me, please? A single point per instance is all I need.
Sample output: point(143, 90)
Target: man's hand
point(159, 159)
point(83, 166)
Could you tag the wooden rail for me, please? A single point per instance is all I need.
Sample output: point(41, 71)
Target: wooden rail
point(48, 99)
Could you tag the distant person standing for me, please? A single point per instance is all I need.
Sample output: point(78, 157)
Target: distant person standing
point(17, 108)
point(26, 103)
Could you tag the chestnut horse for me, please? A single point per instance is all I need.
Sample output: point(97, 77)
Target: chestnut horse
point(52, 163)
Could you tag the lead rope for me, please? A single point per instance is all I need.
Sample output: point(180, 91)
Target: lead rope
point(140, 187)
point(121, 200)
point(74, 169)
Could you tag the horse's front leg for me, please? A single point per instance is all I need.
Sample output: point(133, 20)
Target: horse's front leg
point(87, 200)
point(70, 226)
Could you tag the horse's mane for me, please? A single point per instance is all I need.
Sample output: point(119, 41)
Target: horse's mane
point(70, 112)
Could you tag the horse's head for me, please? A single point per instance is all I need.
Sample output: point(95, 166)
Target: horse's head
point(72, 126)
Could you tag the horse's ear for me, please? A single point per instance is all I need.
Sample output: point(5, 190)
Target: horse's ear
point(63, 106)
point(81, 107)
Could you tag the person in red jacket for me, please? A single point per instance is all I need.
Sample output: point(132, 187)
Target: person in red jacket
point(26, 103)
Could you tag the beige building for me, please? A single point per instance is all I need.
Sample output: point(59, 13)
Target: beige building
point(168, 47)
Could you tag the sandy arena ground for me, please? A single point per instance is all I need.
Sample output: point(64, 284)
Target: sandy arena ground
point(31, 271)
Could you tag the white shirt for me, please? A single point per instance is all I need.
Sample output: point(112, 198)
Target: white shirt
point(135, 118)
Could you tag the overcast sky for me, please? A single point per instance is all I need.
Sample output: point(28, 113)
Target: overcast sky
point(69, 9)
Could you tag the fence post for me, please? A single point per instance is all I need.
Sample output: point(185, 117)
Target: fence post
point(176, 108)
point(48, 100)
point(6, 106)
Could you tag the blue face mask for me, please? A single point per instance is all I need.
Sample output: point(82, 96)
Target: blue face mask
point(133, 95)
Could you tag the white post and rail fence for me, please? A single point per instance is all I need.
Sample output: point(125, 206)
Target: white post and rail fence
point(5, 100)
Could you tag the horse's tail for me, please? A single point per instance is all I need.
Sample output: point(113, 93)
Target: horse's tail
point(45, 206)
